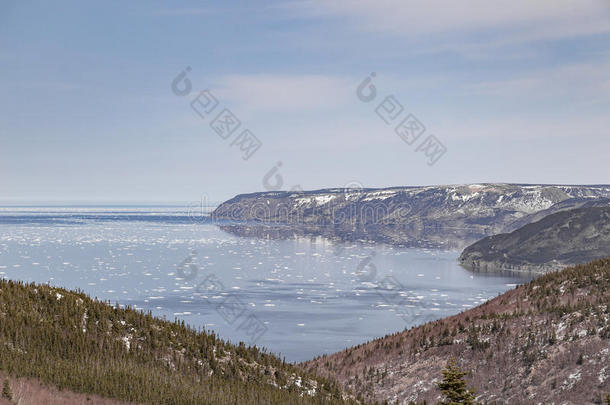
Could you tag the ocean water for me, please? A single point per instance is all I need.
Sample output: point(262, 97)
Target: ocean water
point(298, 297)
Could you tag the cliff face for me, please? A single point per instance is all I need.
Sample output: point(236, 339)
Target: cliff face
point(564, 238)
point(543, 342)
point(435, 216)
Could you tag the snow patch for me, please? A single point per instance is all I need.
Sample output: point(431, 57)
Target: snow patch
point(602, 375)
point(318, 199)
point(126, 341)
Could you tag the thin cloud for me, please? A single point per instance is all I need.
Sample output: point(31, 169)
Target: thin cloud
point(286, 93)
point(524, 19)
point(183, 11)
point(574, 82)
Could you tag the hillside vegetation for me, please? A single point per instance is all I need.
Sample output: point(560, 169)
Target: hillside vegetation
point(564, 238)
point(70, 341)
point(547, 341)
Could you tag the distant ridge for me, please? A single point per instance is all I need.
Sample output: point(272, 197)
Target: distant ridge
point(422, 216)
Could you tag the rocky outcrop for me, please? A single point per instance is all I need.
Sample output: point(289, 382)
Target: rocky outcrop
point(432, 216)
point(558, 240)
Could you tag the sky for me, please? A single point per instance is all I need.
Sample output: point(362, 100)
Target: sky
point(94, 110)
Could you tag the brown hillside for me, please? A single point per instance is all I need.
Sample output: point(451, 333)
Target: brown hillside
point(29, 391)
point(547, 341)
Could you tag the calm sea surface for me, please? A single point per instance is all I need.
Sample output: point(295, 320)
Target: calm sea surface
point(298, 297)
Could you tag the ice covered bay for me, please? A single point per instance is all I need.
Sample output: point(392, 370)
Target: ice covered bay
point(298, 297)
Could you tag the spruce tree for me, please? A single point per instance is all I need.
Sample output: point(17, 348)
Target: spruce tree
point(454, 387)
point(6, 390)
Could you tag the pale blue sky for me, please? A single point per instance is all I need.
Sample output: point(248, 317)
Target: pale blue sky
point(518, 91)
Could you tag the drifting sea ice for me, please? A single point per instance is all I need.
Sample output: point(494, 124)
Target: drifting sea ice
point(305, 291)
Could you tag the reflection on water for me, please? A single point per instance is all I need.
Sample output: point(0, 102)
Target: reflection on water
point(431, 237)
point(312, 295)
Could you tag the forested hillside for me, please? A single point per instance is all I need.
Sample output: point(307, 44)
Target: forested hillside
point(561, 239)
point(70, 341)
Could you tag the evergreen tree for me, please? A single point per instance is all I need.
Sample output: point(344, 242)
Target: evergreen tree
point(454, 387)
point(6, 390)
